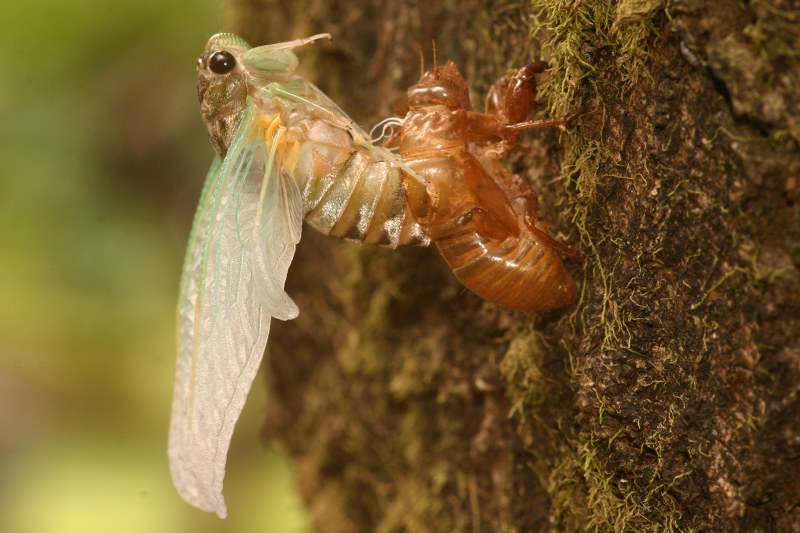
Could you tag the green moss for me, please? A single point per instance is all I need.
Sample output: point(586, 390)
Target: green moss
point(572, 35)
point(632, 32)
point(613, 504)
point(586, 492)
point(714, 286)
point(526, 386)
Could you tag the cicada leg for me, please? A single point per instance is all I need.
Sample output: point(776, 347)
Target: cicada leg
point(520, 97)
point(496, 132)
point(561, 123)
point(521, 194)
point(495, 217)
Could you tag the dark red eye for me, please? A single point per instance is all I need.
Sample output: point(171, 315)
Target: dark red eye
point(221, 62)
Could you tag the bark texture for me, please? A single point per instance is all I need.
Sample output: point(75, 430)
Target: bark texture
point(667, 397)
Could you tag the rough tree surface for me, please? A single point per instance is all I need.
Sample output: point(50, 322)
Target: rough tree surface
point(667, 397)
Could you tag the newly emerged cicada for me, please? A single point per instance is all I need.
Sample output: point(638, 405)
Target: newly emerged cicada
point(286, 153)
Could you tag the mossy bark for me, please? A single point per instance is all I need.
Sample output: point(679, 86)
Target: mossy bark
point(667, 397)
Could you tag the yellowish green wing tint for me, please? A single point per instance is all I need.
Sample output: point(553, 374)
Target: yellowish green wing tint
point(240, 249)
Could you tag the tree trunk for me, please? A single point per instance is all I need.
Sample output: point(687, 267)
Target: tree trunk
point(666, 398)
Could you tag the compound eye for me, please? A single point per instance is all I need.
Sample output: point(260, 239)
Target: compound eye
point(221, 62)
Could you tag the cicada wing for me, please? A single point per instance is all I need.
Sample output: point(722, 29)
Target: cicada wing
point(222, 320)
point(279, 222)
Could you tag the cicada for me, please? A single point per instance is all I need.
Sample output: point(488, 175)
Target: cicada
point(285, 153)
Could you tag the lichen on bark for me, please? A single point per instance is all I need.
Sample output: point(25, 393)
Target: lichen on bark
point(667, 397)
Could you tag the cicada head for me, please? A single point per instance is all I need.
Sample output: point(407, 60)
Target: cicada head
point(229, 70)
point(222, 88)
point(440, 86)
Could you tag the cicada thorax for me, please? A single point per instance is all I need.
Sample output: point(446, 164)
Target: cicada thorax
point(481, 217)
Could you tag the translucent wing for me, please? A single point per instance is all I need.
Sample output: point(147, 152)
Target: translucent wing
point(242, 242)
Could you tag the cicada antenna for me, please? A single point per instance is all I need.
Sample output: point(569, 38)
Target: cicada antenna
point(300, 42)
point(317, 37)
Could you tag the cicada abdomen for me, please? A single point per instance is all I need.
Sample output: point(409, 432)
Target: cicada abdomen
point(481, 217)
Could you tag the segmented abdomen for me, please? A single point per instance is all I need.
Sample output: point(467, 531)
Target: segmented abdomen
point(363, 201)
point(350, 188)
point(518, 272)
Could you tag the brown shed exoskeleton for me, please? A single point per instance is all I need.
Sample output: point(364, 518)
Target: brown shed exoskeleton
point(482, 218)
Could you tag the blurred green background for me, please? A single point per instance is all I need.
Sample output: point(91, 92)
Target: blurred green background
point(102, 156)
